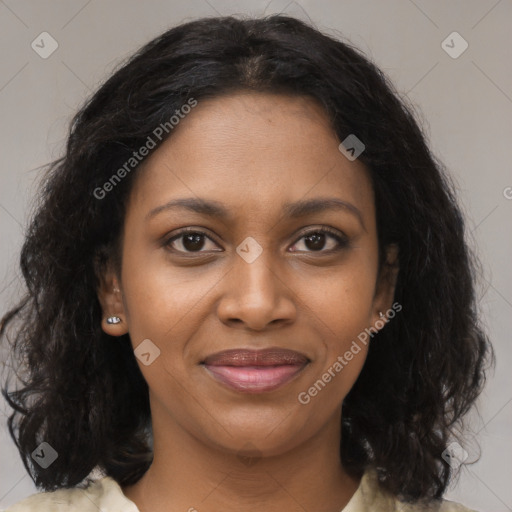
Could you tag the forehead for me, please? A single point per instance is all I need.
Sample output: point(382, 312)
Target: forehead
point(252, 151)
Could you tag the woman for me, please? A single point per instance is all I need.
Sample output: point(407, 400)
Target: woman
point(248, 287)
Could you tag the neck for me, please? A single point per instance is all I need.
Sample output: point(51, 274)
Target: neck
point(188, 474)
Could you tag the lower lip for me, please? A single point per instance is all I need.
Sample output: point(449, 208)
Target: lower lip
point(254, 379)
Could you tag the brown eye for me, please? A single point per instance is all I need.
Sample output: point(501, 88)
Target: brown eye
point(188, 241)
point(316, 241)
point(193, 241)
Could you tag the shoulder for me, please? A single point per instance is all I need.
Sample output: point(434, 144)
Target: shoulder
point(101, 494)
point(370, 496)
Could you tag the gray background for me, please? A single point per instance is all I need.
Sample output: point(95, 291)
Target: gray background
point(464, 104)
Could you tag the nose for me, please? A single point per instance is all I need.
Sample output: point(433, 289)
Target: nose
point(256, 295)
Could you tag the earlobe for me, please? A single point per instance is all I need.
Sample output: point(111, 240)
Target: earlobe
point(110, 296)
point(114, 326)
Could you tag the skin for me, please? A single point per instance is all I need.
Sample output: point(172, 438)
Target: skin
point(252, 152)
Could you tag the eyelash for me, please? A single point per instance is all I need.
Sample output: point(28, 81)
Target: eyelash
point(341, 240)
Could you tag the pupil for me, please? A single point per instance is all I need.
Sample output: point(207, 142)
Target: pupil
point(193, 241)
point(318, 240)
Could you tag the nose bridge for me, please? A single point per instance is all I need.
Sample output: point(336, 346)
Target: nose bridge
point(255, 271)
point(255, 293)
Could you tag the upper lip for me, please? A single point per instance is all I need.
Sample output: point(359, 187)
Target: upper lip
point(267, 357)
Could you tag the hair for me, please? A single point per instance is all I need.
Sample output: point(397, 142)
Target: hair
point(84, 394)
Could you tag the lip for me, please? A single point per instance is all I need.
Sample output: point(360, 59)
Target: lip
point(255, 371)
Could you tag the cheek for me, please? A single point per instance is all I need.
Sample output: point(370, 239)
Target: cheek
point(340, 307)
point(161, 306)
point(160, 297)
point(342, 298)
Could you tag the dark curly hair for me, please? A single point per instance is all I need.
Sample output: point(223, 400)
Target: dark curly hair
point(86, 396)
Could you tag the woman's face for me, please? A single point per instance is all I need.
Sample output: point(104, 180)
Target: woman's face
point(254, 277)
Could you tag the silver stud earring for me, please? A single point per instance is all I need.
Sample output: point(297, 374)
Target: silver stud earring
point(381, 314)
point(113, 320)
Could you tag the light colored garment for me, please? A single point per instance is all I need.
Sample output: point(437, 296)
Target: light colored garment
point(106, 495)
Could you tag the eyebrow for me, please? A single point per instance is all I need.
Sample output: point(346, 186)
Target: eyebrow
point(292, 210)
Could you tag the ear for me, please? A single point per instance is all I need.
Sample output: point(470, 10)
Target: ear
point(110, 296)
point(385, 287)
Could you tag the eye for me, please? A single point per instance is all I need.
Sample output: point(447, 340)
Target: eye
point(191, 240)
point(188, 241)
point(316, 239)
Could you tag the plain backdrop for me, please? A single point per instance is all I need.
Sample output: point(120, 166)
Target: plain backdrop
point(464, 104)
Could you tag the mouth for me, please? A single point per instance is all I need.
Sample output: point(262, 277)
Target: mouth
point(255, 371)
